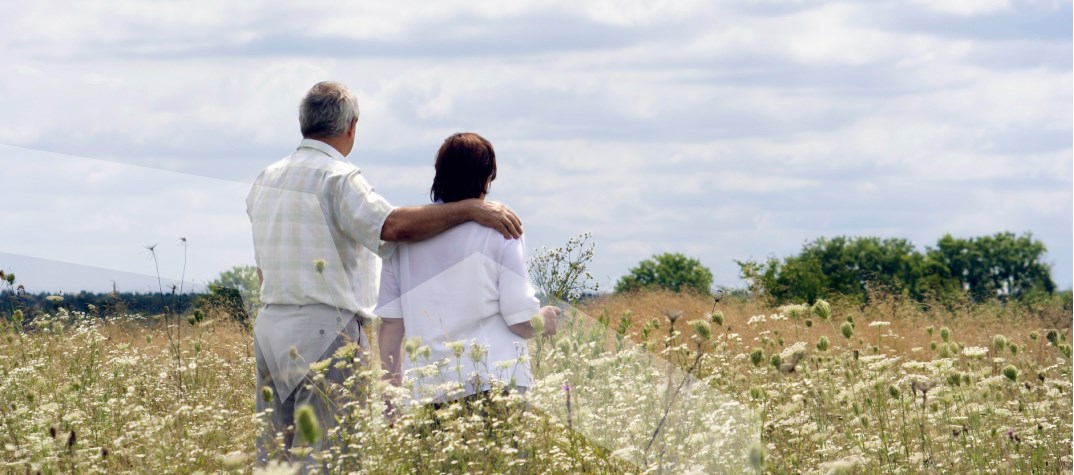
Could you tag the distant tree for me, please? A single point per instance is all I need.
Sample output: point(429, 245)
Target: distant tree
point(999, 266)
point(237, 290)
point(672, 271)
point(840, 265)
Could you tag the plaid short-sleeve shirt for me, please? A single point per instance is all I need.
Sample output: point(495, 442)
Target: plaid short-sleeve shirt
point(315, 205)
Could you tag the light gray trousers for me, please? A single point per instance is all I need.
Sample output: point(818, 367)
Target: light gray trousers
point(324, 396)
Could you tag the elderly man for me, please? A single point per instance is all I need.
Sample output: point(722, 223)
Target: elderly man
point(319, 233)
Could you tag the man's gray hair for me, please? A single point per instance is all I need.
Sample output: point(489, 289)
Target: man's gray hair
point(327, 110)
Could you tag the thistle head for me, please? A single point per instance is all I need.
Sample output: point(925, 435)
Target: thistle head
point(823, 344)
point(717, 318)
point(1010, 372)
point(717, 295)
point(701, 328)
point(847, 329)
point(1052, 336)
point(308, 427)
point(1000, 342)
point(410, 346)
point(266, 394)
point(756, 357)
point(822, 309)
point(673, 315)
point(945, 334)
point(776, 360)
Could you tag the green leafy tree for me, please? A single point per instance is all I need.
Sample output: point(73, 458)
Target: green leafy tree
point(672, 271)
point(238, 290)
point(999, 266)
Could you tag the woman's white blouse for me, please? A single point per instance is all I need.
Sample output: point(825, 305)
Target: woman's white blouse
point(467, 285)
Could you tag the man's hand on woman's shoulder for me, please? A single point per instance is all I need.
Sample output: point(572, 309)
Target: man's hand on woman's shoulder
point(496, 216)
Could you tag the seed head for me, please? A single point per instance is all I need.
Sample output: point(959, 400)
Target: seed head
point(308, 426)
point(266, 394)
point(701, 328)
point(1010, 372)
point(823, 343)
point(410, 345)
point(945, 334)
point(293, 352)
point(1000, 342)
point(756, 357)
point(319, 265)
point(776, 360)
point(673, 315)
point(822, 309)
point(717, 318)
point(1052, 336)
point(847, 329)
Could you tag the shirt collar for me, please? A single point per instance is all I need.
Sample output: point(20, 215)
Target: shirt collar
point(324, 148)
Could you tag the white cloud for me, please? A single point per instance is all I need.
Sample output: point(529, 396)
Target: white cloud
point(727, 131)
point(966, 7)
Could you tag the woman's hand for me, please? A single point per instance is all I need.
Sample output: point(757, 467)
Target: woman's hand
point(551, 317)
point(547, 314)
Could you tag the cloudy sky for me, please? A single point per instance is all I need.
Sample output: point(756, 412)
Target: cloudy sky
point(723, 130)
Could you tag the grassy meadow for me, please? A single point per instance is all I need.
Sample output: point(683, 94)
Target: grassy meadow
point(639, 383)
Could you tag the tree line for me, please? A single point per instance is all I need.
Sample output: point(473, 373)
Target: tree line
point(1003, 266)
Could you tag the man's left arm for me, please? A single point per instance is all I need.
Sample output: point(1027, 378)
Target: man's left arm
point(415, 223)
point(374, 223)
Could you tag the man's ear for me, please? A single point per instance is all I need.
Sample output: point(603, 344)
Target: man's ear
point(354, 126)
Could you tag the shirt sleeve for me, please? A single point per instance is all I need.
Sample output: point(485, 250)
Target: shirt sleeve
point(518, 298)
point(361, 213)
point(389, 302)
